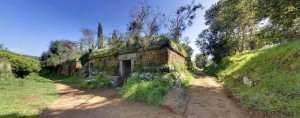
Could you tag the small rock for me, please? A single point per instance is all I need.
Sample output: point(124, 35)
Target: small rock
point(236, 76)
point(247, 81)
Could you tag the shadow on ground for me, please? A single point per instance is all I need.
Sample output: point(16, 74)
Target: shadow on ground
point(207, 100)
point(95, 103)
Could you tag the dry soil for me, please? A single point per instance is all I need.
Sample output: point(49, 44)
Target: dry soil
point(208, 99)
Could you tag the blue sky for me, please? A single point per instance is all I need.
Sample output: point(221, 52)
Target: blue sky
point(27, 26)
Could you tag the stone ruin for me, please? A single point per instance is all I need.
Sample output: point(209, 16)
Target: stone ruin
point(120, 64)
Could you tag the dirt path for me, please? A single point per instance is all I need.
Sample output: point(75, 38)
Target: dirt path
point(207, 100)
point(99, 103)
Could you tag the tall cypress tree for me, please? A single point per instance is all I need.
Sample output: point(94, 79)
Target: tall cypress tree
point(100, 36)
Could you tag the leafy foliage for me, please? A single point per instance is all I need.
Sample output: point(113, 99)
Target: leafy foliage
point(59, 50)
point(238, 25)
point(201, 60)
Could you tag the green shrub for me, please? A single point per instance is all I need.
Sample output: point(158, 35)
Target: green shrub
point(150, 92)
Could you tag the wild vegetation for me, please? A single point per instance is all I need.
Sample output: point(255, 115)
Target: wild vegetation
point(275, 73)
point(151, 87)
point(23, 92)
point(26, 97)
point(21, 65)
point(238, 33)
point(238, 25)
point(146, 26)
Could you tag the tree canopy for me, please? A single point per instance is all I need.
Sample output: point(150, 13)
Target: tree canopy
point(237, 25)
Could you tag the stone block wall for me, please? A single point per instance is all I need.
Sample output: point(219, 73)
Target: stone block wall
point(144, 60)
point(157, 56)
point(174, 57)
point(107, 65)
point(68, 68)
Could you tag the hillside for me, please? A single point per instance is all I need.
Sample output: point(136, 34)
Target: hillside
point(21, 65)
point(275, 76)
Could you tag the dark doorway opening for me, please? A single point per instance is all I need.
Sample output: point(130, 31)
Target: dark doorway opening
point(126, 70)
point(126, 67)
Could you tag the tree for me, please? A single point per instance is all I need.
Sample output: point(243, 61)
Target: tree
point(210, 42)
point(59, 50)
point(201, 60)
point(2, 47)
point(138, 16)
point(237, 25)
point(81, 44)
point(88, 37)
point(100, 36)
point(153, 23)
point(183, 18)
point(114, 41)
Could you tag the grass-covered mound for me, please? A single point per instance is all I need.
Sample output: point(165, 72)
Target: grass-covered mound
point(26, 97)
point(276, 72)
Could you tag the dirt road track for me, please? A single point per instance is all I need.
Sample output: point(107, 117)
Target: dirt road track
point(207, 100)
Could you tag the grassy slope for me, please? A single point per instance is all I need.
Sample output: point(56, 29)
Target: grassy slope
point(25, 97)
point(277, 71)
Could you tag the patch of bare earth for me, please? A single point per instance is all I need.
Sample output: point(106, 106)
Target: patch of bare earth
point(99, 103)
point(30, 98)
point(207, 99)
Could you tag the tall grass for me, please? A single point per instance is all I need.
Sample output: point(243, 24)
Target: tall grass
point(150, 92)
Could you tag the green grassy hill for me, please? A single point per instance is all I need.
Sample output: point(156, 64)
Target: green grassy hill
point(27, 96)
point(275, 72)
